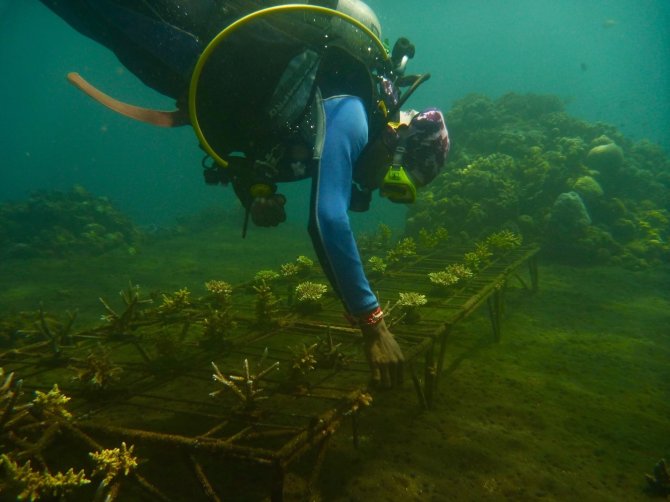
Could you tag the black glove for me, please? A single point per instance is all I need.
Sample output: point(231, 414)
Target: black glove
point(268, 211)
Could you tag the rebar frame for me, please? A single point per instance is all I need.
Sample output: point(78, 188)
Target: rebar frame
point(172, 410)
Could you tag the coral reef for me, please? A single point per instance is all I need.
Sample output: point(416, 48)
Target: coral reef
point(53, 223)
point(514, 156)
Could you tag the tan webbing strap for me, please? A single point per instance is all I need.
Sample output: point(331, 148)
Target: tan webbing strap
point(160, 118)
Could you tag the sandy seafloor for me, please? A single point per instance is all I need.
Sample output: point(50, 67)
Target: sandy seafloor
point(572, 404)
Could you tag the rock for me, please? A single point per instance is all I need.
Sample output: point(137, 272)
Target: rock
point(588, 188)
point(569, 212)
point(605, 157)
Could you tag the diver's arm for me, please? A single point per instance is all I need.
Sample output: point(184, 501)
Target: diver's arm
point(329, 227)
point(346, 136)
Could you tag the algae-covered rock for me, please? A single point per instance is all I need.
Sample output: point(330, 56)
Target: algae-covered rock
point(54, 223)
point(605, 157)
point(568, 214)
point(588, 188)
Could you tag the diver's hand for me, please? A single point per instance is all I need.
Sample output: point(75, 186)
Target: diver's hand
point(268, 211)
point(383, 354)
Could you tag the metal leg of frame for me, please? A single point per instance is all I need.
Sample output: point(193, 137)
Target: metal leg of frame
point(494, 303)
point(442, 337)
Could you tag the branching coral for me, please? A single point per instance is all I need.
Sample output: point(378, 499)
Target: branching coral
point(377, 265)
point(267, 306)
point(304, 263)
point(120, 324)
point(504, 240)
point(51, 403)
point(301, 266)
point(328, 353)
point(10, 391)
point(310, 293)
point(7, 390)
point(112, 462)
point(245, 386)
point(409, 303)
point(175, 302)
point(34, 484)
point(431, 239)
point(443, 279)
point(289, 270)
point(263, 276)
point(304, 360)
point(659, 482)
point(411, 299)
point(404, 248)
point(216, 325)
point(451, 275)
point(480, 257)
point(97, 371)
point(57, 332)
point(380, 240)
point(363, 399)
point(220, 290)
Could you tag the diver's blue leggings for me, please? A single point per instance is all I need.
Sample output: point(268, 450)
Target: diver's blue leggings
point(329, 227)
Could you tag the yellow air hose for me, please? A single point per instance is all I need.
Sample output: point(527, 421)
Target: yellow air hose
point(202, 60)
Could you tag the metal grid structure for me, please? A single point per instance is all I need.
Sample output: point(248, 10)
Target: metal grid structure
point(191, 439)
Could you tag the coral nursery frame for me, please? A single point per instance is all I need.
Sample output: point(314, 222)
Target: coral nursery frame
point(224, 446)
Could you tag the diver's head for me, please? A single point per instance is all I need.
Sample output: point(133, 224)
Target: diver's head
point(362, 13)
point(420, 153)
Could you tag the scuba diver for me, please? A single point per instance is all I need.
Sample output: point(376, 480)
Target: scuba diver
point(280, 92)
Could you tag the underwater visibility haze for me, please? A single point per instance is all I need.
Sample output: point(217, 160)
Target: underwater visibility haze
point(125, 280)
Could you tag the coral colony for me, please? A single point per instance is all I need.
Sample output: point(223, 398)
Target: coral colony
point(112, 462)
point(246, 386)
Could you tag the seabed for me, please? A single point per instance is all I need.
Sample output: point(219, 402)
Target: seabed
point(529, 381)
